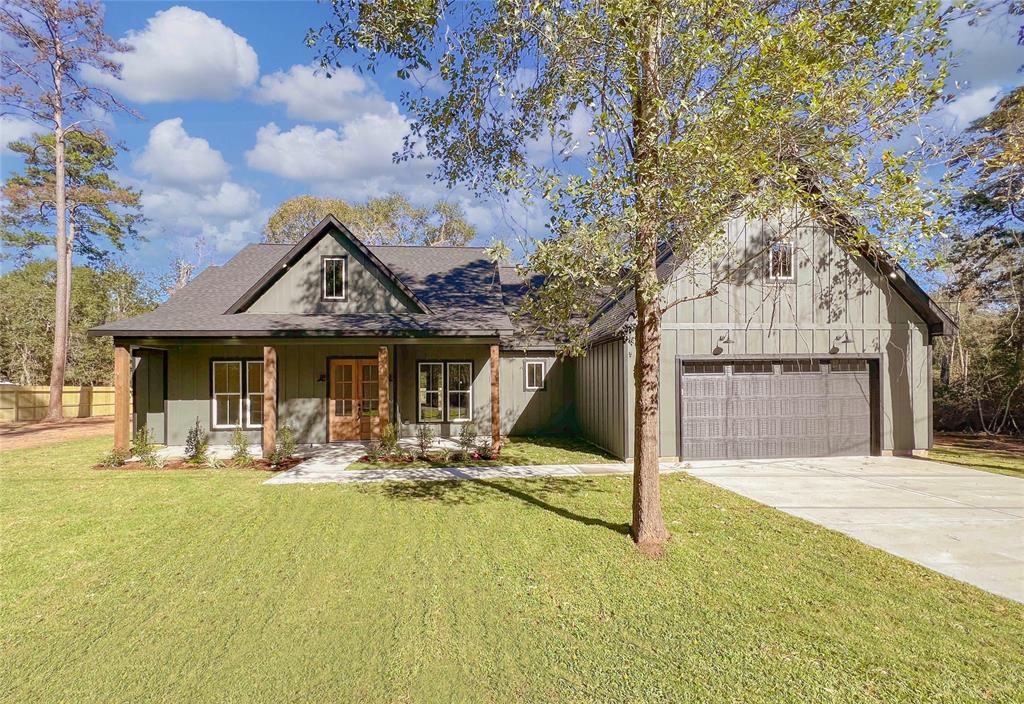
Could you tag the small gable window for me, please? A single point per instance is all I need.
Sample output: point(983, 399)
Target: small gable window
point(780, 260)
point(535, 369)
point(335, 275)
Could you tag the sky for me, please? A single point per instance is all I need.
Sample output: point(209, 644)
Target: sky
point(236, 119)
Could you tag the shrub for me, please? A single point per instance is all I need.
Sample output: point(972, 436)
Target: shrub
point(143, 447)
point(284, 448)
point(425, 437)
point(467, 439)
point(197, 444)
point(375, 453)
point(486, 452)
point(389, 439)
point(240, 446)
point(444, 457)
point(114, 458)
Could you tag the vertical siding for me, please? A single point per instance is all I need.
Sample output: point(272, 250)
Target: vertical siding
point(549, 410)
point(602, 398)
point(407, 384)
point(836, 304)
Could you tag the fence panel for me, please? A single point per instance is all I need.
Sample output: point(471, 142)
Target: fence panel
point(28, 403)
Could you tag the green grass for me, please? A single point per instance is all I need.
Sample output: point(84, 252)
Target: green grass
point(204, 585)
point(969, 451)
point(517, 451)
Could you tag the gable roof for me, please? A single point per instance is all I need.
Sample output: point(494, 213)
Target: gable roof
point(321, 230)
point(459, 285)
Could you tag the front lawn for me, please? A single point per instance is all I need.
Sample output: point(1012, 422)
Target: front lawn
point(516, 451)
point(205, 585)
point(1000, 455)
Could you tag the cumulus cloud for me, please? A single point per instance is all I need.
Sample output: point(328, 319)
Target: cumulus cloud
point(972, 105)
point(16, 129)
point(182, 54)
point(172, 156)
point(308, 94)
point(355, 159)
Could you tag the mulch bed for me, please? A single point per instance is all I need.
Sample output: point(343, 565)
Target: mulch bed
point(257, 465)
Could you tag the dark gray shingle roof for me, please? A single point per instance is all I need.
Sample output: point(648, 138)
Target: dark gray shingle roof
point(459, 284)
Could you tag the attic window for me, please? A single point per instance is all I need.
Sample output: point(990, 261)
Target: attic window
point(780, 260)
point(335, 278)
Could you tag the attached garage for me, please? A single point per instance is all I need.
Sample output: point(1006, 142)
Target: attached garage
point(772, 408)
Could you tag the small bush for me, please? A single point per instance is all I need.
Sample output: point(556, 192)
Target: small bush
point(143, 447)
point(425, 437)
point(467, 438)
point(240, 448)
point(197, 444)
point(486, 452)
point(114, 458)
point(284, 448)
point(444, 456)
point(212, 462)
point(375, 453)
point(389, 439)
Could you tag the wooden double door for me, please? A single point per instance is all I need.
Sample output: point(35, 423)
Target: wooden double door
point(353, 400)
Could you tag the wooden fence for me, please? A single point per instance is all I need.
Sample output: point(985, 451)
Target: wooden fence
point(27, 403)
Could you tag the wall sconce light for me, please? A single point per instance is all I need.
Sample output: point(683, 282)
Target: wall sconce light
point(321, 379)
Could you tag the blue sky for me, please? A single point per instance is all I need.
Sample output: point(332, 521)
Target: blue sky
point(235, 121)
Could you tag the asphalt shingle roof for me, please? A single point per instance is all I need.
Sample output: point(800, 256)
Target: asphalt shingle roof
point(459, 284)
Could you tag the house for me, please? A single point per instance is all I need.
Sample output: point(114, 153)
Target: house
point(808, 350)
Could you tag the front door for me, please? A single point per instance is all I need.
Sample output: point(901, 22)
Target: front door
point(352, 400)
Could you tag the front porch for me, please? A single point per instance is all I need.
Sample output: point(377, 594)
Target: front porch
point(326, 391)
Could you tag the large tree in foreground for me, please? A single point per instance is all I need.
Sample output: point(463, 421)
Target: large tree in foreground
point(48, 46)
point(390, 219)
point(694, 110)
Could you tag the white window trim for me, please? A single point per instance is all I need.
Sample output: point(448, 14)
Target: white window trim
point(448, 392)
point(543, 374)
point(786, 242)
point(214, 395)
point(419, 406)
point(344, 277)
point(248, 395)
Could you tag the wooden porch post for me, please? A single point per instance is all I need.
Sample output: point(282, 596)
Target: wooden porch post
point(122, 397)
point(495, 401)
point(383, 388)
point(269, 400)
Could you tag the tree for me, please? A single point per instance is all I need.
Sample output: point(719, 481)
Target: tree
point(27, 320)
point(46, 46)
point(694, 110)
point(983, 365)
point(385, 220)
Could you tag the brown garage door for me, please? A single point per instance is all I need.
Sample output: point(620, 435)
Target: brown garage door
point(769, 408)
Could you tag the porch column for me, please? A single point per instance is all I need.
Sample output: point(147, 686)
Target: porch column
point(269, 400)
point(495, 401)
point(122, 397)
point(383, 387)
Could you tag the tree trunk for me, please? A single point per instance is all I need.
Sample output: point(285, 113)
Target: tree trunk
point(55, 411)
point(648, 528)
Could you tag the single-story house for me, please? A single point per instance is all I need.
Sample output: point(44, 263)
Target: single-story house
point(809, 349)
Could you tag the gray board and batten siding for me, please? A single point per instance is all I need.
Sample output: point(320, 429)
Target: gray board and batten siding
point(836, 305)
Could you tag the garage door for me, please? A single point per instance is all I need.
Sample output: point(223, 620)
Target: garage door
point(769, 409)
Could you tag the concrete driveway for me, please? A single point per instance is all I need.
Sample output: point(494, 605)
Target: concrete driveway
point(961, 522)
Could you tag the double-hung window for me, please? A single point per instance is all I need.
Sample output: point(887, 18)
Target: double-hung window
point(445, 392)
point(780, 260)
point(335, 275)
point(535, 369)
point(237, 394)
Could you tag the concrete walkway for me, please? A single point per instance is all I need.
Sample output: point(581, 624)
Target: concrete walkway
point(964, 523)
point(318, 472)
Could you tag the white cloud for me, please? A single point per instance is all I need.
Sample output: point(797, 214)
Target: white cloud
point(308, 94)
point(354, 161)
point(972, 105)
point(182, 54)
point(16, 129)
point(172, 156)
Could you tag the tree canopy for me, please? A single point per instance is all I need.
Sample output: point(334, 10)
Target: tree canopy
point(388, 219)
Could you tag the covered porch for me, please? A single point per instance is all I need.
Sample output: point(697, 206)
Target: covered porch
point(326, 391)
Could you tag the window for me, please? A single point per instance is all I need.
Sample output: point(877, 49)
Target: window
point(237, 399)
point(369, 390)
point(460, 391)
point(431, 383)
point(335, 271)
point(800, 366)
point(445, 392)
point(704, 368)
point(254, 394)
point(753, 368)
point(535, 369)
point(780, 260)
point(840, 366)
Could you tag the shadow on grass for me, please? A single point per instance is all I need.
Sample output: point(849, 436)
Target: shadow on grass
point(533, 492)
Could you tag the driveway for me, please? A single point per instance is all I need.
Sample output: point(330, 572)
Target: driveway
point(961, 522)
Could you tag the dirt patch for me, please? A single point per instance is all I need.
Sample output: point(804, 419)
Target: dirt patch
point(256, 465)
point(20, 436)
point(990, 443)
